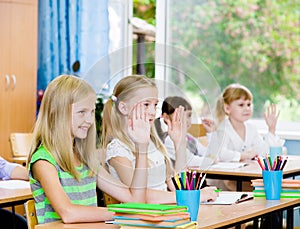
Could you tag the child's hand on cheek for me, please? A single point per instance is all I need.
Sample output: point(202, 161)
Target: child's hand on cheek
point(139, 126)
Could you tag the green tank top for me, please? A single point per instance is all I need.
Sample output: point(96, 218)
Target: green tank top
point(81, 192)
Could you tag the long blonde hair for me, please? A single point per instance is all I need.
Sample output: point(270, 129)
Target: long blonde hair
point(53, 125)
point(231, 93)
point(112, 117)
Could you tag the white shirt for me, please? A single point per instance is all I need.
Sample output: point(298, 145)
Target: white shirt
point(157, 171)
point(227, 145)
point(192, 159)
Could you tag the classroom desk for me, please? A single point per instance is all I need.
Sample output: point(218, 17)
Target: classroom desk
point(223, 216)
point(60, 225)
point(252, 171)
point(12, 197)
point(212, 216)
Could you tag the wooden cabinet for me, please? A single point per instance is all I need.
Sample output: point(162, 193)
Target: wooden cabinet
point(18, 69)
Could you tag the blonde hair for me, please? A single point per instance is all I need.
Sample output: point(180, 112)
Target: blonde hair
point(53, 125)
point(231, 93)
point(112, 117)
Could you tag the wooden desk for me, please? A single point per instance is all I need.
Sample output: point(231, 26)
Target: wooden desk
point(12, 197)
point(252, 171)
point(223, 216)
point(213, 216)
point(60, 225)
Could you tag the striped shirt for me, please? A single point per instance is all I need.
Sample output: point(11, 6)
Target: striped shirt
point(81, 192)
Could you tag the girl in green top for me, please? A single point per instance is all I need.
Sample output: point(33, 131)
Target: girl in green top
point(64, 164)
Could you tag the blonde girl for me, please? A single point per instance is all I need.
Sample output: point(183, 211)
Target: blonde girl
point(235, 138)
point(63, 162)
point(128, 93)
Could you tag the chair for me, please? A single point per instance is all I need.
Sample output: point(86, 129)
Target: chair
point(109, 200)
point(197, 130)
point(20, 146)
point(30, 214)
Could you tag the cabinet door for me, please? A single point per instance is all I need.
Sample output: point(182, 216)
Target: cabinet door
point(4, 75)
point(18, 43)
point(23, 66)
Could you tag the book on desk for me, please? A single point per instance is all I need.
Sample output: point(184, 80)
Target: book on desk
point(142, 215)
point(289, 188)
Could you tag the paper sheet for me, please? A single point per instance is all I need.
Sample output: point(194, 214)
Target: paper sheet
point(226, 198)
point(14, 184)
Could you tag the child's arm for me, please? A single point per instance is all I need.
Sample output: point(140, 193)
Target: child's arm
point(133, 177)
point(46, 174)
point(208, 125)
point(271, 117)
point(177, 131)
point(19, 173)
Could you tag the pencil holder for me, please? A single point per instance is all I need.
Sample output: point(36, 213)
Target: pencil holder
point(191, 199)
point(272, 184)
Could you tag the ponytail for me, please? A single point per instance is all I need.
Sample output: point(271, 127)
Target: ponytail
point(106, 128)
point(219, 110)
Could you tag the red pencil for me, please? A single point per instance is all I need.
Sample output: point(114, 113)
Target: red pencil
point(260, 163)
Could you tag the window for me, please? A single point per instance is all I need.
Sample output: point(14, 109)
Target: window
point(202, 46)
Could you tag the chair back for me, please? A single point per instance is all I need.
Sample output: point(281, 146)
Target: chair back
point(197, 130)
point(109, 199)
point(20, 144)
point(30, 214)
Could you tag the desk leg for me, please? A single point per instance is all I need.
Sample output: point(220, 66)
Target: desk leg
point(239, 183)
point(290, 218)
point(255, 223)
point(14, 216)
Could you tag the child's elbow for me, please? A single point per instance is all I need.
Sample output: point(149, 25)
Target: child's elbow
point(66, 215)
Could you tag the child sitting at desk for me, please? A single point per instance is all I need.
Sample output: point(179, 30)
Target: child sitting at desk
point(140, 91)
point(236, 139)
point(195, 150)
point(12, 171)
point(63, 163)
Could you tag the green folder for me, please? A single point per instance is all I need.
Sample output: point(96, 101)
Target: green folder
point(144, 208)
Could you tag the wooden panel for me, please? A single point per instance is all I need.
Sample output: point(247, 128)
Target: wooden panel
point(18, 68)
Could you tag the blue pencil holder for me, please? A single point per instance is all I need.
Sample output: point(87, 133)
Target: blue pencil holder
point(191, 199)
point(272, 184)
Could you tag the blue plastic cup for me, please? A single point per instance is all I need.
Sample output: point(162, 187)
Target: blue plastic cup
point(272, 184)
point(275, 151)
point(191, 199)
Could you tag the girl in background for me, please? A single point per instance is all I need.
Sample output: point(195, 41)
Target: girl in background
point(63, 162)
point(236, 139)
point(130, 92)
point(195, 149)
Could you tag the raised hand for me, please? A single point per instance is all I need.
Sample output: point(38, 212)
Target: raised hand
point(209, 125)
point(177, 125)
point(139, 126)
point(271, 117)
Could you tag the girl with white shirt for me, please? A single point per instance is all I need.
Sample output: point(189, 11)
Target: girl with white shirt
point(236, 139)
point(130, 92)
